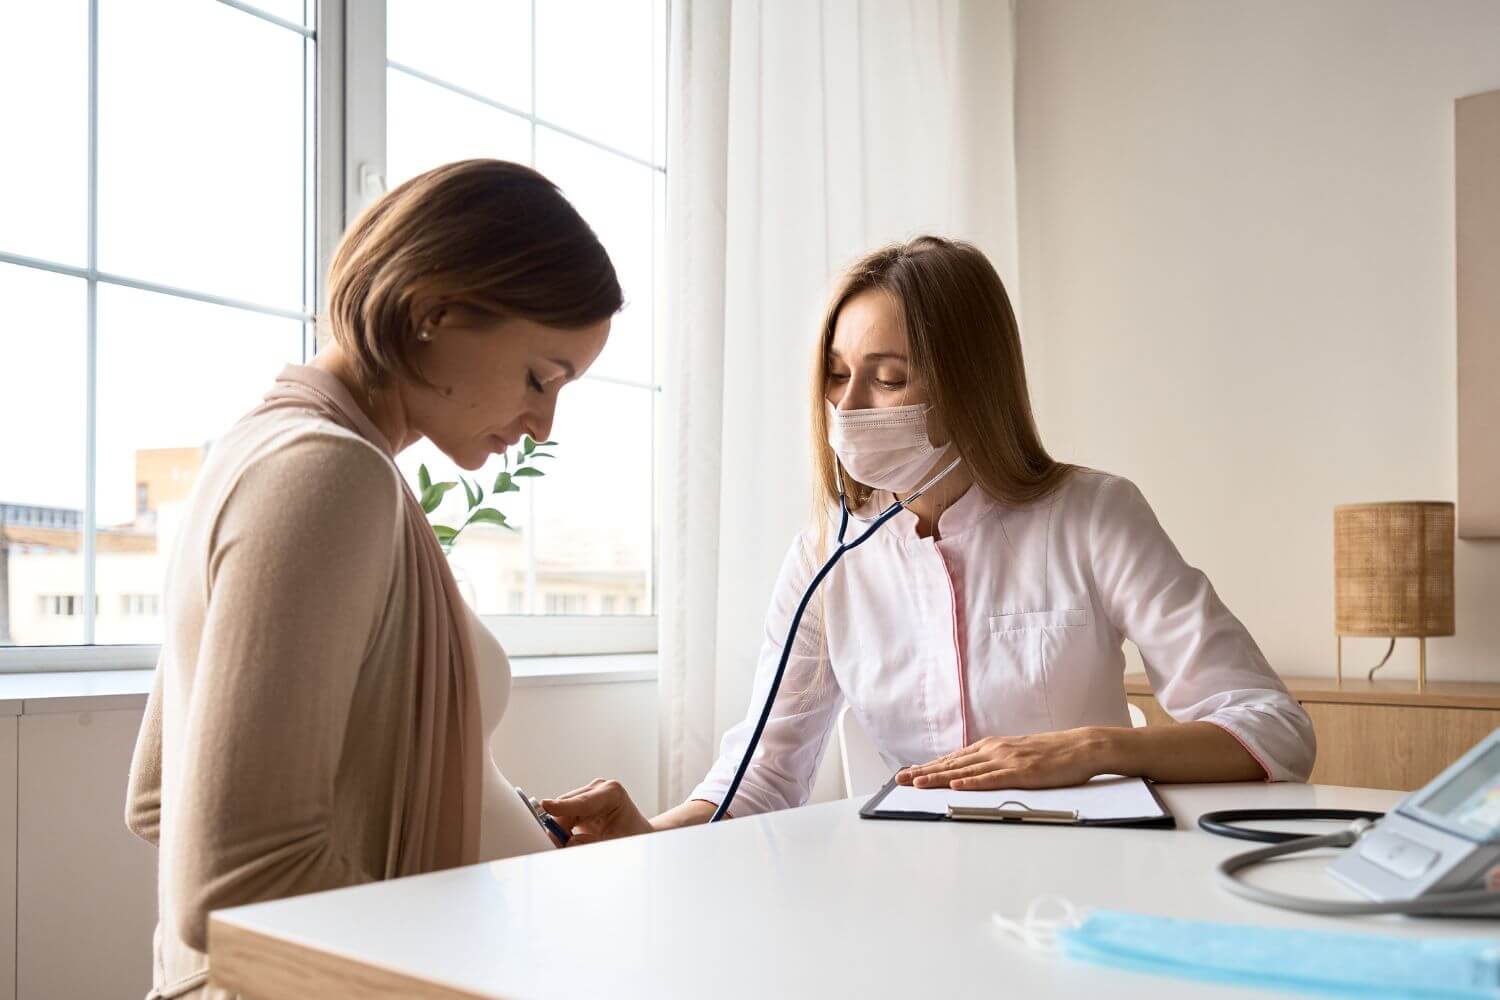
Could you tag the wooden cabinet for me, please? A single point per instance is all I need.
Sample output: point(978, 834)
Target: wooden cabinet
point(1378, 734)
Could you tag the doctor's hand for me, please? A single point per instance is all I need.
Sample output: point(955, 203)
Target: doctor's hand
point(1045, 760)
point(600, 810)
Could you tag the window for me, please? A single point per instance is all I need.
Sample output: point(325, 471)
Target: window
point(169, 240)
point(139, 605)
point(577, 89)
point(60, 605)
point(567, 604)
point(155, 264)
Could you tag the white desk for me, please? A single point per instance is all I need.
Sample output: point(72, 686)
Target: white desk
point(809, 903)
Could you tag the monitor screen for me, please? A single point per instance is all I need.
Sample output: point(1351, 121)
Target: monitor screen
point(1470, 800)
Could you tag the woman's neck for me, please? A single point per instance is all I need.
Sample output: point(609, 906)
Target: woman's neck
point(382, 406)
point(944, 493)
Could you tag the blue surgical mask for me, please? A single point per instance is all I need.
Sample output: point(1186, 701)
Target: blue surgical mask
point(1328, 963)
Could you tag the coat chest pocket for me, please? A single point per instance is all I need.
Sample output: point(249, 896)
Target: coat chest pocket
point(1024, 621)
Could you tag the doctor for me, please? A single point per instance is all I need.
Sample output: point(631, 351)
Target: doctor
point(978, 635)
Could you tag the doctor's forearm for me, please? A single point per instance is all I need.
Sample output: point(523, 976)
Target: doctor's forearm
point(1191, 751)
point(690, 813)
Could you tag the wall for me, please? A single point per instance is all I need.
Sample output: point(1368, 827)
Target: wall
point(78, 890)
point(557, 737)
point(1237, 280)
point(85, 898)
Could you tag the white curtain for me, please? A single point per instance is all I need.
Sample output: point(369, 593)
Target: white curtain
point(801, 134)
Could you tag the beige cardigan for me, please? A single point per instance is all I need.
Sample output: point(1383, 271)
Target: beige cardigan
point(266, 765)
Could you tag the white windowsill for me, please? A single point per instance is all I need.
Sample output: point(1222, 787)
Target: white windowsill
point(524, 637)
point(106, 690)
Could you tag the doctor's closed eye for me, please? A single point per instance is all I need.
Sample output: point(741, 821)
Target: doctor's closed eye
point(891, 384)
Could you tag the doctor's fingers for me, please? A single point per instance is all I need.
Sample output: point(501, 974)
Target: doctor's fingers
point(959, 758)
point(993, 777)
point(579, 791)
point(962, 769)
point(599, 799)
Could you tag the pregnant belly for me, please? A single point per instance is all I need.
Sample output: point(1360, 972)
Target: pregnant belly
point(506, 827)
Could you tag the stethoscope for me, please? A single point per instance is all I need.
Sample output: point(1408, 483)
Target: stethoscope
point(1282, 844)
point(791, 632)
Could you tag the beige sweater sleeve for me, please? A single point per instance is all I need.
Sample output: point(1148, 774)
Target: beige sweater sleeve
point(300, 566)
point(143, 796)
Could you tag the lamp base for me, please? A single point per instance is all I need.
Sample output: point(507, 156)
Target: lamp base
point(1421, 662)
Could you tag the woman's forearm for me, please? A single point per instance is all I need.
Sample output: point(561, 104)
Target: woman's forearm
point(690, 813)
point(1191, 751)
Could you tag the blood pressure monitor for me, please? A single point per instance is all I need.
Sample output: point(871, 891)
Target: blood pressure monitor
point(1444, 837)
point(1436, 853)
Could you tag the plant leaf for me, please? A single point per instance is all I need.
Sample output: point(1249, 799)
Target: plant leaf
point(469, 493)
point(528, 446)
point(445, 534)
point(423, 479)
point(542, 454)
point(487, 515)
point(546, 444)
point(528, 472)
point(432, 497)
point(504, 484)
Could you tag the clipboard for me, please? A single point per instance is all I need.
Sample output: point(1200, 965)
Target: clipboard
point(1107, 800)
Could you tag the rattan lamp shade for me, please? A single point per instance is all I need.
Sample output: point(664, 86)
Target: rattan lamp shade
point(1393, 571)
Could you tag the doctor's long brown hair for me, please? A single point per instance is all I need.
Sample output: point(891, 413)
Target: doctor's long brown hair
point(964, 346)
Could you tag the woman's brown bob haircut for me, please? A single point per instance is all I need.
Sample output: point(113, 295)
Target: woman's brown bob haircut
point(493, 237)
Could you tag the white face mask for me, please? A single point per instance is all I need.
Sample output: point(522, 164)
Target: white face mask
point(886, 447)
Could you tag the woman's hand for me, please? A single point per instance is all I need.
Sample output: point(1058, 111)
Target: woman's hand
point(1046, 760)
point(600, 810)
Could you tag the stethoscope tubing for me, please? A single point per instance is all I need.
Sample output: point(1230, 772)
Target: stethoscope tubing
point(1222, 822)
point(791, 633)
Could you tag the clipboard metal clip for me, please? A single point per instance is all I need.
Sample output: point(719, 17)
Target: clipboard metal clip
point(1012, 810)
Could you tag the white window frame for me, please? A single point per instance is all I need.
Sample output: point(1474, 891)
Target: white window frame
point(352, 161)
point(349, 139)
point(88, 656)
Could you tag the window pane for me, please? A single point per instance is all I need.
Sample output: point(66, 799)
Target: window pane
point(479, 45)
point(593, 542)
point(427, 126)
point(295, 11)
point(488, 561)
point(615, 196)
point(44, 50)
point(594, 69)
point(201, 149)
point(594, 506)
point(173, 375)
point(42, 359)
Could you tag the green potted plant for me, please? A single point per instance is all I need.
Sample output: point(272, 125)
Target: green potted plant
point(517, 465)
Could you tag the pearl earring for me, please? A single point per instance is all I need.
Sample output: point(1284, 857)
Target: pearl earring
point(424, 335)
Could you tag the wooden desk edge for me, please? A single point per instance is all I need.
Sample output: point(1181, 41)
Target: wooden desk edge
point(1439, 694)
point(266, 967)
